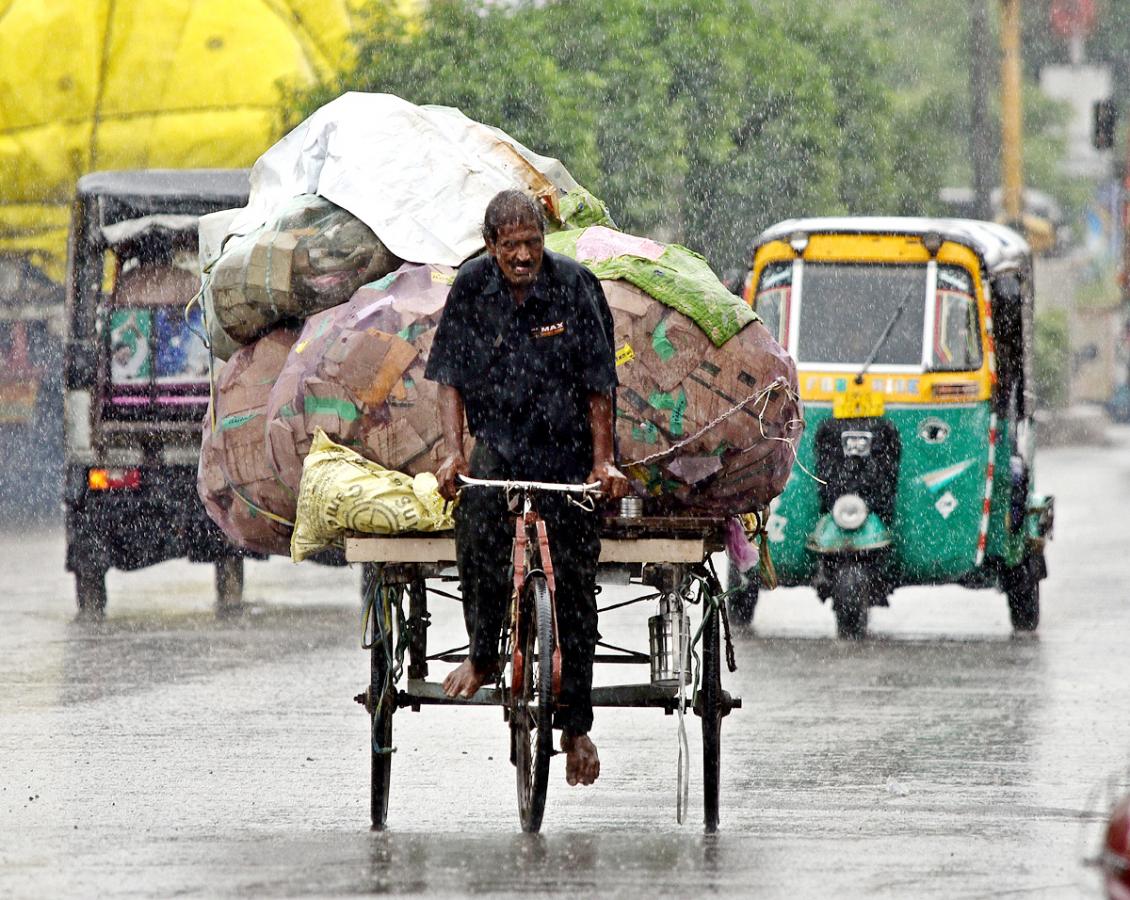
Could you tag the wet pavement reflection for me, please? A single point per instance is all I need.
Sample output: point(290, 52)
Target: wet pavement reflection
point(169, 751)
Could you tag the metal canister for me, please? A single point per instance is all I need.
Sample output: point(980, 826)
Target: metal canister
point(631, 507)
point(670, 634)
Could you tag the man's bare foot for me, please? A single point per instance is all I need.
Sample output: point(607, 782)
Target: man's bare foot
point(465, 679)
point(582, 765)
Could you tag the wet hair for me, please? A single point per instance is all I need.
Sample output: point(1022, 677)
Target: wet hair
point(511, 207)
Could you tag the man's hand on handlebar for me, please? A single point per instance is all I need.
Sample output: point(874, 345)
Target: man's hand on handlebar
point(613, 483)
point(448, 475)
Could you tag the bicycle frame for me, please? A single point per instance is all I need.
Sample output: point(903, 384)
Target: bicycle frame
point(531, 554)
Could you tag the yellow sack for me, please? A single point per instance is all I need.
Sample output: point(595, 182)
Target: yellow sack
point(342, 491)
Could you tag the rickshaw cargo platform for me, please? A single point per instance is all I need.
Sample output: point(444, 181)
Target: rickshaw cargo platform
point(624, 541)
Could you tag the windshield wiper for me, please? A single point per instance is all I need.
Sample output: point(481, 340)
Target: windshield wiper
point(886, 334)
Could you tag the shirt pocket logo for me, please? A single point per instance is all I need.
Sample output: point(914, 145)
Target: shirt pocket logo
point(545, 331)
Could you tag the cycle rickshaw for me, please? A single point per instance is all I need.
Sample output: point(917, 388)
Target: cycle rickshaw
point(669, 555)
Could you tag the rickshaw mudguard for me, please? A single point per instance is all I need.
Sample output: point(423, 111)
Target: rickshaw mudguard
point(829, 538)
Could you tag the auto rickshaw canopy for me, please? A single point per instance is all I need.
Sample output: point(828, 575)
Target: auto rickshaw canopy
point(999, 247)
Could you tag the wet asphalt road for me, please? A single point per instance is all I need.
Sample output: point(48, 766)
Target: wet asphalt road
point(166, 752)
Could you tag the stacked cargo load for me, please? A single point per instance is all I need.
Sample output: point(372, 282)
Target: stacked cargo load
point(707, 413)
point(700, 428)
point(357, 373)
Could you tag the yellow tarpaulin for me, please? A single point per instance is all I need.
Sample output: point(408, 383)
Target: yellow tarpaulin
point(109, 84)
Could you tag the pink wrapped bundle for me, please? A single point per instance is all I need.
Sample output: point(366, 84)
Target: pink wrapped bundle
point(357, 372)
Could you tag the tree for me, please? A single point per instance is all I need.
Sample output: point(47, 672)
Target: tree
point(699, 122)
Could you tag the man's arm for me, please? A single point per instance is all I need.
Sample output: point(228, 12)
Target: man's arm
point(612, 480)
point(451, 420)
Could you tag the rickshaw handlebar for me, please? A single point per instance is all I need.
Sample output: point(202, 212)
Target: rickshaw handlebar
point(509, 484)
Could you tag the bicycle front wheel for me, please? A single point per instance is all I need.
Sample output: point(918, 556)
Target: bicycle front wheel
point(710, 698)
point(531, 701)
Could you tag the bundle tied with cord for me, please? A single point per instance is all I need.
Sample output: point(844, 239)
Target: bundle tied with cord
point(701, 428)
point(708, 413)
point(311, 256)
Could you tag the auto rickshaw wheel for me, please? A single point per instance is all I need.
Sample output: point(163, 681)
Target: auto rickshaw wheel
point(851, 599)
point(1021, 585)
point(90, 592)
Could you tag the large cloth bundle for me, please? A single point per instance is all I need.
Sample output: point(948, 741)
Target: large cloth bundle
point(418, 176)
point(311, 256)
point(700, 428)
point(357, 373)
point(235, 480)
point(367, 181)
point(671, 273)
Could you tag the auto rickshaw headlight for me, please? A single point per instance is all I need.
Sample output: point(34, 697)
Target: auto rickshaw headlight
point(849, 512)
point(856, 443)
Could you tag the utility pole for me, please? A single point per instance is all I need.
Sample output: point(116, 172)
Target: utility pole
point(1012, 163)
point(980, 146)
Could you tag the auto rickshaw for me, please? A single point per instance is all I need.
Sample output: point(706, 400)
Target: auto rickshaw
point(913, 340)
point(137, 380)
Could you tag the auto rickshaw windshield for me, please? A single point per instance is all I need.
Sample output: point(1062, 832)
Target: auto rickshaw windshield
point(845, 307)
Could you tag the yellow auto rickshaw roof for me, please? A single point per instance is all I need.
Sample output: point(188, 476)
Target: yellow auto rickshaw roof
point(1001, 248)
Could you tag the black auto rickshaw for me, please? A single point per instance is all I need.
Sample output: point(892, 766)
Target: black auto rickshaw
point(137, 377)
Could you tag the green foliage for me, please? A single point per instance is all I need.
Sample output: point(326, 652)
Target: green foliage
point(703, 122)
point(1052, 361)
point(696, 122)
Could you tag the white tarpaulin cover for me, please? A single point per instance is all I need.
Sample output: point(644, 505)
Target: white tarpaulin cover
point(419, 176)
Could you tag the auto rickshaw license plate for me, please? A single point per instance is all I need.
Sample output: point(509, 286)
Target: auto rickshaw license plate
point(857, 402)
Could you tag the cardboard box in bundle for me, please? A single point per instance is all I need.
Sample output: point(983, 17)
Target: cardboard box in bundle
point(703, 428)
point(357, 373)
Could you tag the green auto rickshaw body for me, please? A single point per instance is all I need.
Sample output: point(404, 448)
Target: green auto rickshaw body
point(920, 330)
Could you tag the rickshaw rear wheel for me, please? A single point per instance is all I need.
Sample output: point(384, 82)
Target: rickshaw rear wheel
point(711, 712)
point(381, 698)
point(851, 599)
point(1022, 588)
point(382, 764)
point(531, 706)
